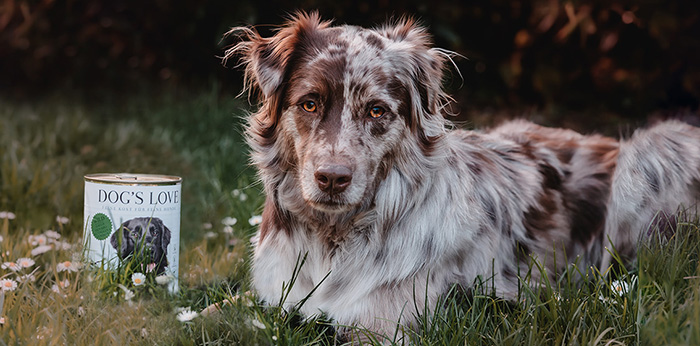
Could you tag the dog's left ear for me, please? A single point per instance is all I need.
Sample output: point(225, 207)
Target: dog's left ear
point(422, 68)
point(165, 237)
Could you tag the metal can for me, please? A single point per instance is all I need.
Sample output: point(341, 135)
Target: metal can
point(134, 217)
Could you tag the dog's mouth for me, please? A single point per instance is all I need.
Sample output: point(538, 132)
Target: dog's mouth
point(330, 204)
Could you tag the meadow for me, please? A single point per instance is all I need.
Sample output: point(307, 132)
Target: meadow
point(49, 296)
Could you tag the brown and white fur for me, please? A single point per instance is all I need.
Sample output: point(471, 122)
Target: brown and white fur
point(393, 210)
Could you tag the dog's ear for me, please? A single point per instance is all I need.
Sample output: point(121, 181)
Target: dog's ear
point(165, 238)
point(121, 240)
point(266, 59)
point(422, 68)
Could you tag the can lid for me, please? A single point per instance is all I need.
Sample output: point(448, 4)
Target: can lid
point(133, 179)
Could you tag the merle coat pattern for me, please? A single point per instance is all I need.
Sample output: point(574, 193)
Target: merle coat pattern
point(143, 236)
point(365, 177)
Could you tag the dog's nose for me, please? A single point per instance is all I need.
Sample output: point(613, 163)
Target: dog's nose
point(333, 178)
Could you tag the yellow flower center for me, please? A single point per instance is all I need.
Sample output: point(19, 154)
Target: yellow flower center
point(66, 264)
point(8, 283)
point(137, 280)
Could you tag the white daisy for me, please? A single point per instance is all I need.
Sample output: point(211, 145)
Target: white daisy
point(228, 230)
point(62, 219)
point(164, 279)
point(41, 249)
point(257, 324)
point(8, 284)
point(186, 315)
point(138, 279)
point(68, 266)
point(62, 245)
point(128, 294)
point(1, 239)
point(27, 278)
point(52, 234)
point(255, 220)
point(207, 225)
point(620, 287)
point(25, 262)
point(11, 266)
point(229, 221)
point(243, 197)
point(64, 283)
point(7, 215)
point(210, 235)
point(38, 240)
point(236, 192)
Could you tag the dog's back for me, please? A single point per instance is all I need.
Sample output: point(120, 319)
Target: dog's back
point(657, 175)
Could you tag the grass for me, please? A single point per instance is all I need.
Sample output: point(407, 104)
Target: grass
point(47, 147)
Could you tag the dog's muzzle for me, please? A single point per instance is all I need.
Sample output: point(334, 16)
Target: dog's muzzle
point(333, 179)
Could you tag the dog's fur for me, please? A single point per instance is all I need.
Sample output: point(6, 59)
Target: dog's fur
point(146, 237)
point(418, 207)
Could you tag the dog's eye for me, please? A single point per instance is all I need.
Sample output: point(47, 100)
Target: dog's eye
point(376, 112)
point(309, 106)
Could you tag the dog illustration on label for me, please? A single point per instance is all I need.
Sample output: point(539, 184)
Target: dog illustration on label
point(145, 237)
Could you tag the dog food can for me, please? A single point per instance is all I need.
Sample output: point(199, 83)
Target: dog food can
point(134, 220)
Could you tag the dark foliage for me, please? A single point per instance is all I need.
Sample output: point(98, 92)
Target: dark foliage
point(628, 57)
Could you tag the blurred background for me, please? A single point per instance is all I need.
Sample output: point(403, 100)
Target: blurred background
point(578, 63)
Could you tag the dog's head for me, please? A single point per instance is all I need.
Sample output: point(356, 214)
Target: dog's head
point(336, 102)
point(143, 236)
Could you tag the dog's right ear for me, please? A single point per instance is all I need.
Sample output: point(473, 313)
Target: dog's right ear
point(122, 242)
point(266, 59)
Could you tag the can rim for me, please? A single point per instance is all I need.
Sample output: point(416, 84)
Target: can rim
point(139, 179)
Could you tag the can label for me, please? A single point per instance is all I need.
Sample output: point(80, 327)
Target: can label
point(134, 217)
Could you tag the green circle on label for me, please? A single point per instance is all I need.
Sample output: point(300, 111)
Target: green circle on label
point(101, 226)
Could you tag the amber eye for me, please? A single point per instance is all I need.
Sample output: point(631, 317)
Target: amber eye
point(376, 112)
point(309, 106)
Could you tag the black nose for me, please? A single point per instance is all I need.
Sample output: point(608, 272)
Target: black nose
point(333, 178)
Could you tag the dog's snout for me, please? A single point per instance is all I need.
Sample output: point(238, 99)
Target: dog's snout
point(333, 178)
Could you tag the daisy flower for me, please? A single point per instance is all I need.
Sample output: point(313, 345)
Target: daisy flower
point(128, 294)
point(62, 219)
point(7, 215)
point(210, 235)
point(27, 278)
point(186, 315)
point(236, 193)
point(255, 220)
point(25, 262)
point(228, 230)
point(138, 279)
point(229, 221)
point(257, 324)
point(38, 240)
point(40, 250)
point(11, 266)
point(620, 287)
point(52, 234)
point(1, 239)
point(207, 225)
point(68, 266)
point(64, 283)
point(164, 279)
point(61, 245)
point(243, 197)
point(8, 284)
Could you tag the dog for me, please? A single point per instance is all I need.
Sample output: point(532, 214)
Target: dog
point(145, 237)
point(375, 206)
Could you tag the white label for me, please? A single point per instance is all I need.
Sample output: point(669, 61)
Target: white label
point(142, 220)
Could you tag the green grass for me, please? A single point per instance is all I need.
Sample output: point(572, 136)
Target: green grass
point(46, 147)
